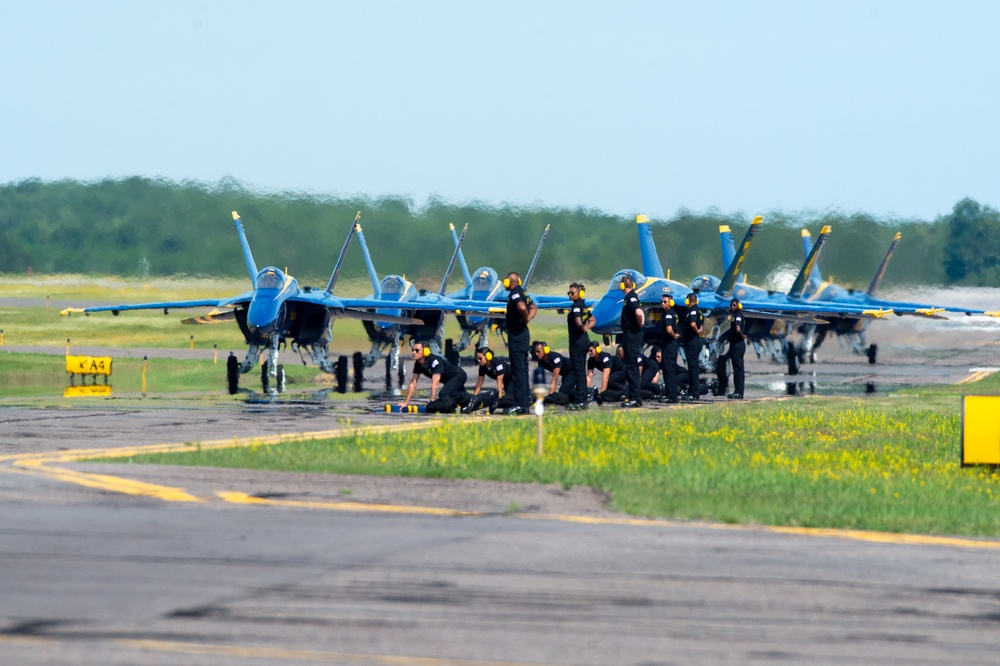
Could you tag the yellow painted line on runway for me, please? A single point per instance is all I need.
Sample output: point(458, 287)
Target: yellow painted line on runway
point(243, 498)
point(975, 377)
point(853, 535)
point(315, 656)
point(39, 464)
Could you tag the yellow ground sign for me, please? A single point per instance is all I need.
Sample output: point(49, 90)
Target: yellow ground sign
point(981, 430)
point(88, 365)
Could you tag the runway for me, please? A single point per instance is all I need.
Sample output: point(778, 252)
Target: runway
point(276, 568)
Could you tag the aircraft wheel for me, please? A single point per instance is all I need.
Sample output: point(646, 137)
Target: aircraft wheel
point(281, 378)
point(233, 375)
point(872, 354)
point(265, 376)
point(793, 359)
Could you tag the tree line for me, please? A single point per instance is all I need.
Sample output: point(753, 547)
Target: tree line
point(145, 227)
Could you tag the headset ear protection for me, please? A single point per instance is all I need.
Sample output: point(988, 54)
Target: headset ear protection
point(670, 301)
point(488, 355)
point(739, 304)
point(545, 348)
point(427, 351)
point(583, 292)
point(508, 283)
point(597, 349)
point(690, 298)
point(621, 285)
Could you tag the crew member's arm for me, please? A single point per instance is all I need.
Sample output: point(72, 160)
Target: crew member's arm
point(527, 311)
point(604, 379)
point(409, 390)
point(555, 378)
point(640, 317)
point(590, 376)
point(435, 382)
point(500, 385)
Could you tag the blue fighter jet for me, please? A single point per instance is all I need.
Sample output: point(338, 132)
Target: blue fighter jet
point(713, 296)
point(276, 310)
point(853, 330)
point(485, 285)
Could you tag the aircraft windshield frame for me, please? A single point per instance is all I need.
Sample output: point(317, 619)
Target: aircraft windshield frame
point(705, 284)
point(392, 285)
point(636, 276)
point(270, 278)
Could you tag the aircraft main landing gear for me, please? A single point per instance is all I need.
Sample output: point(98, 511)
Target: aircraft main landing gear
point(872, 353)
point(265, 377)
point(233, 374)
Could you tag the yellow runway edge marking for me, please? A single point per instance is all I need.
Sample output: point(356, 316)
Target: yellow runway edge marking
point(36, 464)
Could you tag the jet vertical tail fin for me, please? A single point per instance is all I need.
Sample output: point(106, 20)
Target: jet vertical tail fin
point(247, 255)
point(815, 278)
point(534, 261)
point(454, 258)
point(372, 273)
point(343, 253)
point(728, 246)
point(799, 286)
point(873, 287)
point(651, 266)
point(733, 270)
point(461, 262)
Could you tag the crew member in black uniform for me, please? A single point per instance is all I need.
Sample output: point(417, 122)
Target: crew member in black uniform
point(520, 311)
point(694, 323)
point(737, 347)
point(631, 322)
point(611, 367)
point(578, 323)
point(670, 334)
point(494, 367)
point(447, 380)
point(651, 372)
point(556, 364)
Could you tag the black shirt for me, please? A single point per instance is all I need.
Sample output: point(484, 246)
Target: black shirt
point(552, 361)
point(435, 365)
point(669, 319)
point(494, 368)
point(579, 309)
point(736, 329)
point(602, 361)
point(630, 320)
point(515, 323)
point(693, 315)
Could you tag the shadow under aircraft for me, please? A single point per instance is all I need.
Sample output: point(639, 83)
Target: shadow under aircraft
point(277, 310)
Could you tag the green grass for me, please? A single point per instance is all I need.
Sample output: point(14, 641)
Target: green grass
point(884, 463)
point(44, 375)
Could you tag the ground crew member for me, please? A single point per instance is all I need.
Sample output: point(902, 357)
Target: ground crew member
point(447, 380)
point(632, 320)
point(651, 372)
point(670, 334)
point(520, 311)
point(557, 364)
point(612, 369)
point(494, 367)
point(737, 347)
point(578, 323)
point(694, 323)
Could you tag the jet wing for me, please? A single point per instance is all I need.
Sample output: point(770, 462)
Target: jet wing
point(925, 309)
point(163, 305)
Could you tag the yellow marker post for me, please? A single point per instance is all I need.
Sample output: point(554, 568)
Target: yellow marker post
point(145, 364)
point(191, 341)
point(1, 337)
point(67, 346)
point(981, 430)
point(215, 354)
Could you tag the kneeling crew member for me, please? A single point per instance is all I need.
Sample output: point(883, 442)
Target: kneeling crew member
point(651, 372)
point(439, 370)
point(611, 367)
point(694, 323)
point(737, 348)
point(494, 367)
point(555, 363)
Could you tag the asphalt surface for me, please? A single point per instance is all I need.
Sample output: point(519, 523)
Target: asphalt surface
point(294, 568)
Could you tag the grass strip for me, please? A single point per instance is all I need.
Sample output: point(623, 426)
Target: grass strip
point(888, 463)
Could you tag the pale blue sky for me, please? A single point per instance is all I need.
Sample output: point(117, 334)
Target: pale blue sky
point(884, 107)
